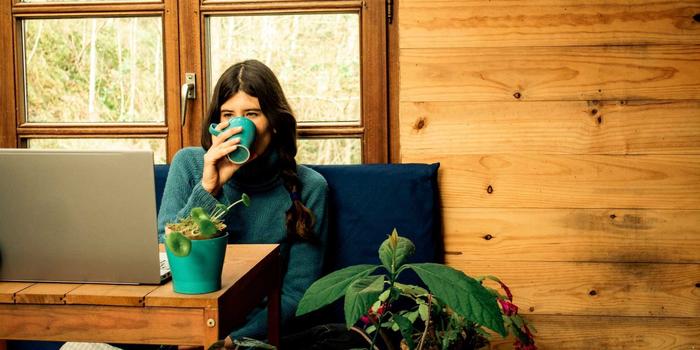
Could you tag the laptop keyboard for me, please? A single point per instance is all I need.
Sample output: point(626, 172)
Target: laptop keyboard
point(164, 266)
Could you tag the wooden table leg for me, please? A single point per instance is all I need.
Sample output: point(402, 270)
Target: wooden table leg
point(3, 344)
point(274, 307)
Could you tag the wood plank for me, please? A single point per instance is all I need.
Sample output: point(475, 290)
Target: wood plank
point(239, 260)
point(112, 324)
point(9, 289)
point(601, 289)
point(552, 127)
point(45, 293)
point(567, 181)
point(611, 333)
point(460, 23)
point(109, 294)
point(551, 73)
point(582, 235)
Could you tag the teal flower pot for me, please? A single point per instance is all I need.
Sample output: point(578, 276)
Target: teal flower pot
point(199, 272)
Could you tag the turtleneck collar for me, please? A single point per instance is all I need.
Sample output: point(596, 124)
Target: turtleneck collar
point(260, 174)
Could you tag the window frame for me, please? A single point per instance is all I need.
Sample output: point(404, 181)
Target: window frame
point(184, 50)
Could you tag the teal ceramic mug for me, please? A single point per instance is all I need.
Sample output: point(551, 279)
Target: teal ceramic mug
point(247, 136)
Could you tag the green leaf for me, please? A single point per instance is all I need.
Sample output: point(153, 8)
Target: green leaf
point(360, 295)
point(395, 250)
point(423, 311)
point(385, 295)
point(331, 287)
point(463, 294)
point(406, 328)
point(178, 244)
point(246, 200)
point(207, 228)
point(410, 289)
point(198, 214)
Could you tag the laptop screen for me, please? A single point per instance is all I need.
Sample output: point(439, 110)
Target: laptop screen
point(78, 216)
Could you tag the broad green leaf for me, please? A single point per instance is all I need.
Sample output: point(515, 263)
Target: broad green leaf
point(463, 294)
point(246, 200)
point(331, 287)
point(370, 329)
point(178, 244)
point(395, 250)
point(406, 328)
point(360, 295)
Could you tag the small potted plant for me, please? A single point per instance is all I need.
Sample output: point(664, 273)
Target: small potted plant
point(196, 247)
point(455, 311)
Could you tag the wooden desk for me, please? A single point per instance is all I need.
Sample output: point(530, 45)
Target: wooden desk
point(145, 314)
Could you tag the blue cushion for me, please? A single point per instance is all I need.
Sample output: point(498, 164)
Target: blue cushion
point(161, 174)
point(366, 202)
point(33, 345)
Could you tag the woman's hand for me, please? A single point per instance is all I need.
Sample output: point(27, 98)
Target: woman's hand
point(217, 168)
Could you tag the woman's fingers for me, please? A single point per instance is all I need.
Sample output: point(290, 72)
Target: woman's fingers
point(215, 140)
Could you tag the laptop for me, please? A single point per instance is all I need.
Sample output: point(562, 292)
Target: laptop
point(79, 216)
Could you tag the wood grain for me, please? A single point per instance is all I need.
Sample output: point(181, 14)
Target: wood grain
point(600, 289)
point(550, 73)
point(106, 323)
point(567, 181)
point(240, 259)
point(45, 293)
point(611, 333)
point(8, 136)
point(109, 294)
point(9, 289)
point(551, 127)
point(459, 23)
point(582, 235)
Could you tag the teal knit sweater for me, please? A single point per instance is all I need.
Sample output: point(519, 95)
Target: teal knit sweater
point(262, 222)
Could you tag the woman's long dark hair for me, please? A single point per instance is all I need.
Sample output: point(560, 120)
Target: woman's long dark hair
point(257, 80)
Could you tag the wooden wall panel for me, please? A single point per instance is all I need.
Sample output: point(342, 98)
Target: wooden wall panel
point(567, 181)
point(568, 134)
point(472, 23)
point(552, 127)
point(603, 289)
point(603, 332)
point(582, 235)
point(550, 73)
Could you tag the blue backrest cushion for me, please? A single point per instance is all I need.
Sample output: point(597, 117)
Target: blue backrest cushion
point(161, 174)
point(366, 202)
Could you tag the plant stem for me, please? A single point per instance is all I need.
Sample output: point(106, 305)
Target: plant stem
point(376, 332)
point(427, 323)
point(218, 215)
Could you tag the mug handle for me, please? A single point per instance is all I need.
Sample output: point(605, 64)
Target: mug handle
point(212, 129)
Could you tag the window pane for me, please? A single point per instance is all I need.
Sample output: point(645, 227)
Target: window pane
point(94, 70)
point(156, 145)
point(330, 151)
point(315, 56)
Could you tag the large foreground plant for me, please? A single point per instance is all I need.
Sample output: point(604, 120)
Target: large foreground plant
point(452, 312)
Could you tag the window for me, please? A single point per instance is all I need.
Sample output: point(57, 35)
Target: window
point(97, 74)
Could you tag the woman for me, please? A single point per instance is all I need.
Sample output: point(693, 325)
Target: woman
point(288, 201)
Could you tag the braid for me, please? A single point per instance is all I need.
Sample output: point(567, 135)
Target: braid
point(299, 219)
